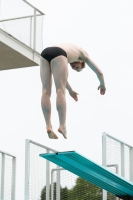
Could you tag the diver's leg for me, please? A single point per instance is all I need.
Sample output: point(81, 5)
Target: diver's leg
point(59, 68)
point(46, 78)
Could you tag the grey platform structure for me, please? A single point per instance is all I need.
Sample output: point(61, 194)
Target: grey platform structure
point(14, 52)
point(93, 173)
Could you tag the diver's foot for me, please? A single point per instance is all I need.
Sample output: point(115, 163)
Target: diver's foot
point(51, 134)
point(63, 132)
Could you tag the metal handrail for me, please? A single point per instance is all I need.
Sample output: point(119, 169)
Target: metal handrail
point(34, 17)
point(19, 18)
point(33, 7)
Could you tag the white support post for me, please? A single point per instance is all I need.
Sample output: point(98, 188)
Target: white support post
point(48, 177)
point(2, 176)
point(52, 188)
point(30, 32)
point(34, 38)
point(104, 151)
point(13, 178)
point(131, 164)
point(58, 184)
point(27, 169)
point(104, 159)
point(122, 159)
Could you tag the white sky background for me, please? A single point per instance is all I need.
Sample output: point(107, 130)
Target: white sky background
point(104, 29)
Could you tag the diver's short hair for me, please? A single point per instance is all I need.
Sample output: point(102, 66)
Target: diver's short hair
point(83, 64)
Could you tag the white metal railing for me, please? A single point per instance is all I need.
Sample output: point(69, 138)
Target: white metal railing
point(33, 24)
point(28, 165)
point(121, 157)
point(3, 170)
point(131, 164)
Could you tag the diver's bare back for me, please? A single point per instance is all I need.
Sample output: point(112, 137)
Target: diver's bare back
point(74, 52)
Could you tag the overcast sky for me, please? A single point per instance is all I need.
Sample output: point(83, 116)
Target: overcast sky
point(105, 30)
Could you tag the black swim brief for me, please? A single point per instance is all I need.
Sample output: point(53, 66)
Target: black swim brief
point(52, 52)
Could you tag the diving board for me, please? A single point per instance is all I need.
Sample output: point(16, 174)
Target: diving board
point(92, 172)
point(15, 54)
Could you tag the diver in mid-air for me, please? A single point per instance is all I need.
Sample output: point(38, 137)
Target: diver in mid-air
point(54, 61)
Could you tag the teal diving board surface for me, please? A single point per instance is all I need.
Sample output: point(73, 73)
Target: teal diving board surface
point(92, 172)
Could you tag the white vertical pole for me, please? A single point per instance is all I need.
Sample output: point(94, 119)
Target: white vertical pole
point(47, 177)
point(104, 159)
point(122, 159)
point(31, 32)
point(27, 169)
point(117, 171)
point(34, 42)
point(52, 186)
point(13, 178)
point(131, 164)
point(3, 176)
point(58, 184)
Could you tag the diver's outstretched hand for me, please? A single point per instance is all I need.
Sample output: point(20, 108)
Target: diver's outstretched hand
point(74, 95)
point(102, 89)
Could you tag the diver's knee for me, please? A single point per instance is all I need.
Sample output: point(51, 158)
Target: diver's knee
point(60, 91)
point(45, 93)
